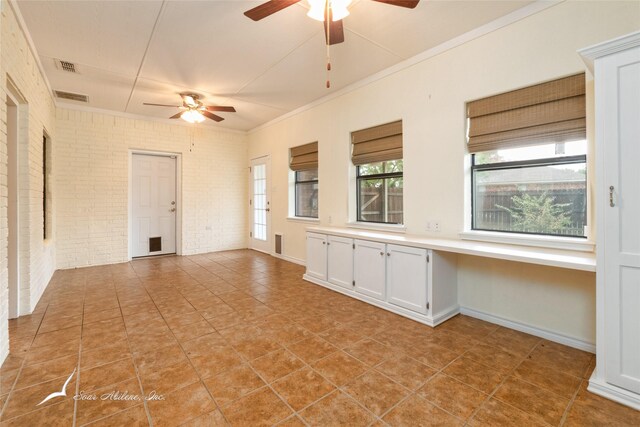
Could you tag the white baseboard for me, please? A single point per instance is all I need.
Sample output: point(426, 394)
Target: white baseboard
point(612, 392)
point(532, 330)
point(290, 259)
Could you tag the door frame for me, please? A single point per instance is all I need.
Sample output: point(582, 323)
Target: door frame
point(14, 223)
point(178, 157)
point(267, 161)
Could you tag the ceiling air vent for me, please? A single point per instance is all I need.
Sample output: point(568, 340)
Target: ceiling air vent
point(67, 66)
point(71, 96)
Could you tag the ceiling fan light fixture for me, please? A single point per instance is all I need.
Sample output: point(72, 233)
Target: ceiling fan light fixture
point(192, 116)
point(338, 9)
point(317, 9)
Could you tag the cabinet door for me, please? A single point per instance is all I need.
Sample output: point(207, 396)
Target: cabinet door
point(369, 268)
point(317, 255)
point(407, 277)
point(620, 115)
point(340, 261)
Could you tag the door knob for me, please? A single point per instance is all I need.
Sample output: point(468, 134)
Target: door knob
point(268, 210)
point(611, 203)
point(172, 210)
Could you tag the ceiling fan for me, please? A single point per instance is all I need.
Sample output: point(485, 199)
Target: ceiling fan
point(330, 11)
point(194, 111)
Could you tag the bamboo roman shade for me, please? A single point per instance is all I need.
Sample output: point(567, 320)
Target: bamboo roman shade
point(304, 157)
point(547, 112)
point(377, 144)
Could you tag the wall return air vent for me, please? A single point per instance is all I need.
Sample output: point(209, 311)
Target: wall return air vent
point(71, 96)
point(67, 66)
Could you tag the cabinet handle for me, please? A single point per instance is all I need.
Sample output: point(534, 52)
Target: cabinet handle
point(328, 243)
point(324, 243)
point(611, 196)
point(388, 254)
point(381, 253)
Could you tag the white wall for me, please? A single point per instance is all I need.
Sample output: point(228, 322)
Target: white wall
point(92, 174)
point(37, 257)
point(430, 98)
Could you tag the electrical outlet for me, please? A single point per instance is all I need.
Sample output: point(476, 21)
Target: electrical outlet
point(329, 219)
point(429, 226)
point(436, 226)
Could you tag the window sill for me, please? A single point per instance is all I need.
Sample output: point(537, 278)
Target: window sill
point(396, 228)
point(302, 219)
point(553, 242)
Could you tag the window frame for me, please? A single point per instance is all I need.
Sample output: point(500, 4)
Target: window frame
point(383, 176)
point(521, 164)
point(295, 192)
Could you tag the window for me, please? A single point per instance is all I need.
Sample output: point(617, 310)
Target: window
point(46, 197)
point(377, 155)
point(534, 190)
point(379, 187)
point(303, 161)
point(528, 160)
point(306, 183)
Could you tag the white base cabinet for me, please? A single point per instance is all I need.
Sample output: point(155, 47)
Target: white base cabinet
point(339, 253)
point(369, 262)
point(317, 256)
point(407, 277)
point(414, 282)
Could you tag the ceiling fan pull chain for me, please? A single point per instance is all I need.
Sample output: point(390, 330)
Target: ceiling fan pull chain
point(327, 23)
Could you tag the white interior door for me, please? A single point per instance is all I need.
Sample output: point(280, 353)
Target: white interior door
point(260, 206)
point(154, 205)
point(621, 101)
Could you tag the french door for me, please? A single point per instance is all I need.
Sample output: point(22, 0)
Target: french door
point(153, 205)
point(259, 204)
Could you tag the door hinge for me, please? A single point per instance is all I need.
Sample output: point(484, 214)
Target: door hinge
point(249, 202)
point(427, 257)
point(354, 246)
point(427, 305)
point(249, 169)
point(353, 283)
point(251, 234)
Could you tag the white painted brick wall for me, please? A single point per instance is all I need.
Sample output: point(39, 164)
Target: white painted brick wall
point(91, 157)
point(36, 256)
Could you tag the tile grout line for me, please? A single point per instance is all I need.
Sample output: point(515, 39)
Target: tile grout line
point(15, 380)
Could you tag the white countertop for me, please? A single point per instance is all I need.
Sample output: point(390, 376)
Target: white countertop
point(575, 260)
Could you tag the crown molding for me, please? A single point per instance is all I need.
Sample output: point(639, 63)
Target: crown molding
point(503, 21)
point(13, 4)
point(591, 53)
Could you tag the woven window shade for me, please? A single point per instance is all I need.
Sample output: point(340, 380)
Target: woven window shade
point(377, 144)
point(548, 112)
point(304, 157)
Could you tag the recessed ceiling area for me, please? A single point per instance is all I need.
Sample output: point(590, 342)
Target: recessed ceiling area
point(130, 52)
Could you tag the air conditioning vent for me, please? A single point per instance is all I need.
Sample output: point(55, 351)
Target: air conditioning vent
point(71, 96)
point(67, 66)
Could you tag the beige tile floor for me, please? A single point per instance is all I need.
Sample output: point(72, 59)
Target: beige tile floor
point(239, 338)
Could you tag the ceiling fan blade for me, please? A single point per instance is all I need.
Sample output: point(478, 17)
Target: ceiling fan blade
point(220, 108)
point(336, 32)
point(268, 8)
point(212, 116)
point(410, 4)
point(160, 105)
point(176, 116)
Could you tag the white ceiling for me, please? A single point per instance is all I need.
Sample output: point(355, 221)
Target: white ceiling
point(130, 52)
